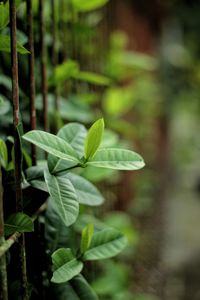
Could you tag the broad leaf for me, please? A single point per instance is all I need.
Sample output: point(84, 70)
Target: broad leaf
point(119, 159)
point(83, 290)
point(74, 134)
point(18, 222)
point(88, 5)
point(63, 194)
point(3, 154)
point(86, 192)
point(67, 271)
point(52, 144)
point(93, 139)
point(61, 257)
point(5, 45)
point(34, 172)
point(106, 243)
point(86, 237)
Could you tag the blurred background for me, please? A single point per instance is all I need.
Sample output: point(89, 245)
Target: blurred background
point(149, 96)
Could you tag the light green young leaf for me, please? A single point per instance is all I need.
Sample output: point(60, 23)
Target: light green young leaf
point(92, 78)
point(64, 196)
point(86, 237)
point(4, 14)
point(66, 70)
point(3, 154)
point(67, 271)
point(61, 256)
point(88, 5)
point(106, 243)
point(5, 45)
point(93, 139)
point(52, 144)
point(19, 222)
point(119, 159)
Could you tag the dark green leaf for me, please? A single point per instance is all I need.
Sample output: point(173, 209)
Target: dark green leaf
point(61, 257)
point(67, 271)
point(18, 222)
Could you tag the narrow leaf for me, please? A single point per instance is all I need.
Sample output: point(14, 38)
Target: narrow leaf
point(63, 194)
point(93, 139)
point(18, 222)
point(106, 243)
point(119, 159)
point(52, 144)
point(67, 271)
point(3, 154)
point(86, 237)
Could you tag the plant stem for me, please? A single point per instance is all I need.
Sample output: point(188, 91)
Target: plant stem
point(17, 146)
point(3, 271)
point(43, 64)
point(31, 58)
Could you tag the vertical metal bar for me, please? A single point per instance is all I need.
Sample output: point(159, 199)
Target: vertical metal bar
point(3, 271)
point(31, 59)
point(43, 64)
point(17, 146)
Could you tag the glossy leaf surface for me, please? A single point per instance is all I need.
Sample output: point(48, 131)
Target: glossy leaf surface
point(63, 194)
point(119, 159)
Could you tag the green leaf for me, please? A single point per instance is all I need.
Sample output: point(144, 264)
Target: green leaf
point(106, 243)
point(74, 134)
point(4, 105)
point(86, 237)
point(67, 271)
point(52, 144)
point(86, 192)
point(4, 14)
point(18, 222)
point(82, 288)
point(3, 154)
point(88, 5)
point(64, 196)
point(92, 78)
point(93, 139)
point(119, 159)
point(5, 45)
point(61, 256)
point(65, 71)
